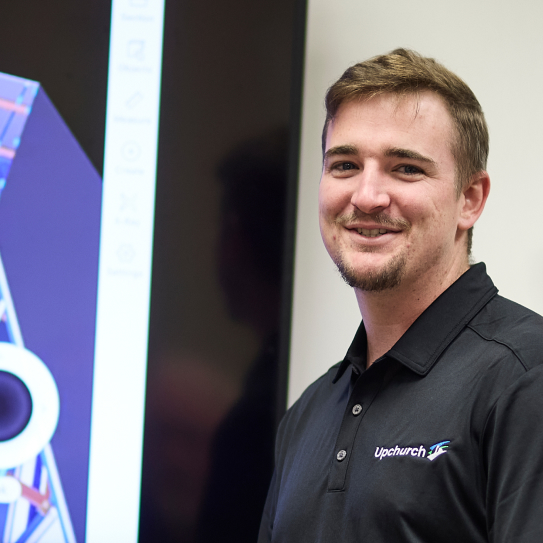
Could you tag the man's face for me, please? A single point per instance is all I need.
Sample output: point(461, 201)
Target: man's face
point(387, 203)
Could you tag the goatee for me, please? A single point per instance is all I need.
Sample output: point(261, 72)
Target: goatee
point(374, 281)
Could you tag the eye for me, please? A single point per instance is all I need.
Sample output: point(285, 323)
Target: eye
point(344, 166)
point(410, 170)
point(343, 169)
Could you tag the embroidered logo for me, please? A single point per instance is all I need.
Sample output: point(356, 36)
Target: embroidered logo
point(434, 451)
point(438, 449)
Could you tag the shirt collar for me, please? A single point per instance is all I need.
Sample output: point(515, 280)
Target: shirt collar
point(435, 329)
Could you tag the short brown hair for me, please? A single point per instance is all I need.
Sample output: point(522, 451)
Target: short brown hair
point(404, 72)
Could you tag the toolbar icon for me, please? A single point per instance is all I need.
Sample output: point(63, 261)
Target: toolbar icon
point(136, 49)
point(131, 151)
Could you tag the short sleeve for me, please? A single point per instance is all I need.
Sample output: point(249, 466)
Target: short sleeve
point(513, 457)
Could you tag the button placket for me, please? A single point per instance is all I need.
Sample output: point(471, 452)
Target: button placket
point(366, 388)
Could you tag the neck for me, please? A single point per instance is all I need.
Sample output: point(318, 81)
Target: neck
point(388, 314)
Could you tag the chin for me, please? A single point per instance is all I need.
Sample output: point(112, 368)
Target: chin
point(386, 277)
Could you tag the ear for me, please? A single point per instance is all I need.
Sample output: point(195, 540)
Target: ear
point(473, 200)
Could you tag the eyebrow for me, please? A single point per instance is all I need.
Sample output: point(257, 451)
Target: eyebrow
point(398, 152)
point(349, 150)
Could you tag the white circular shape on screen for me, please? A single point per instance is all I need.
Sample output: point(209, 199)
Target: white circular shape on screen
point(10, 489)
point(45, 405)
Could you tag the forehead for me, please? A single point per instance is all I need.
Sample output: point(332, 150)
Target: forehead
point(413, 120)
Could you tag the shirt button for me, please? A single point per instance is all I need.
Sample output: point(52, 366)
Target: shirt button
point(341, 455)
point(357, 409)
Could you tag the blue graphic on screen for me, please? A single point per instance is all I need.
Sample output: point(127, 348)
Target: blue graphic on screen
point(50, 197)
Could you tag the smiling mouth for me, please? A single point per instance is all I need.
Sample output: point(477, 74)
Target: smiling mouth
point(372, 233)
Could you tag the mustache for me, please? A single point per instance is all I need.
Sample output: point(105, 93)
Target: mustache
point(382, 219)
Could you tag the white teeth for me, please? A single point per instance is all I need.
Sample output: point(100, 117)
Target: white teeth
point(372, 233)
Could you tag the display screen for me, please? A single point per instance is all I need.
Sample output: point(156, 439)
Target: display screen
point(79, 370)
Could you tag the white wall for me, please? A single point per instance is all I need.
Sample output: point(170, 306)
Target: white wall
point(497, 48)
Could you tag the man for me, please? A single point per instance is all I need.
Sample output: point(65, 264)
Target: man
point(430, 429)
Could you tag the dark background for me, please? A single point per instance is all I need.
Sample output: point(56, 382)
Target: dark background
point(225, 203)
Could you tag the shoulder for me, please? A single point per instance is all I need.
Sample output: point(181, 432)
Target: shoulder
point(315, 390)
point(514, 327)
point(313, 396)
point(316, 401)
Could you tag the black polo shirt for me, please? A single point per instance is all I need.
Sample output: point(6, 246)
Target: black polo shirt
point(440, 440)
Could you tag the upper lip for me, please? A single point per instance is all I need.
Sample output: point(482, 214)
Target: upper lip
point(372, 227)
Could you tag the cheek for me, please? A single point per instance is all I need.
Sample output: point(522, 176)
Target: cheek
point(332, 200)
point(326, 210)
point(424, 211)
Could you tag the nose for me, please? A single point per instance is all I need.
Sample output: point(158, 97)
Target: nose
point(371, 192)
